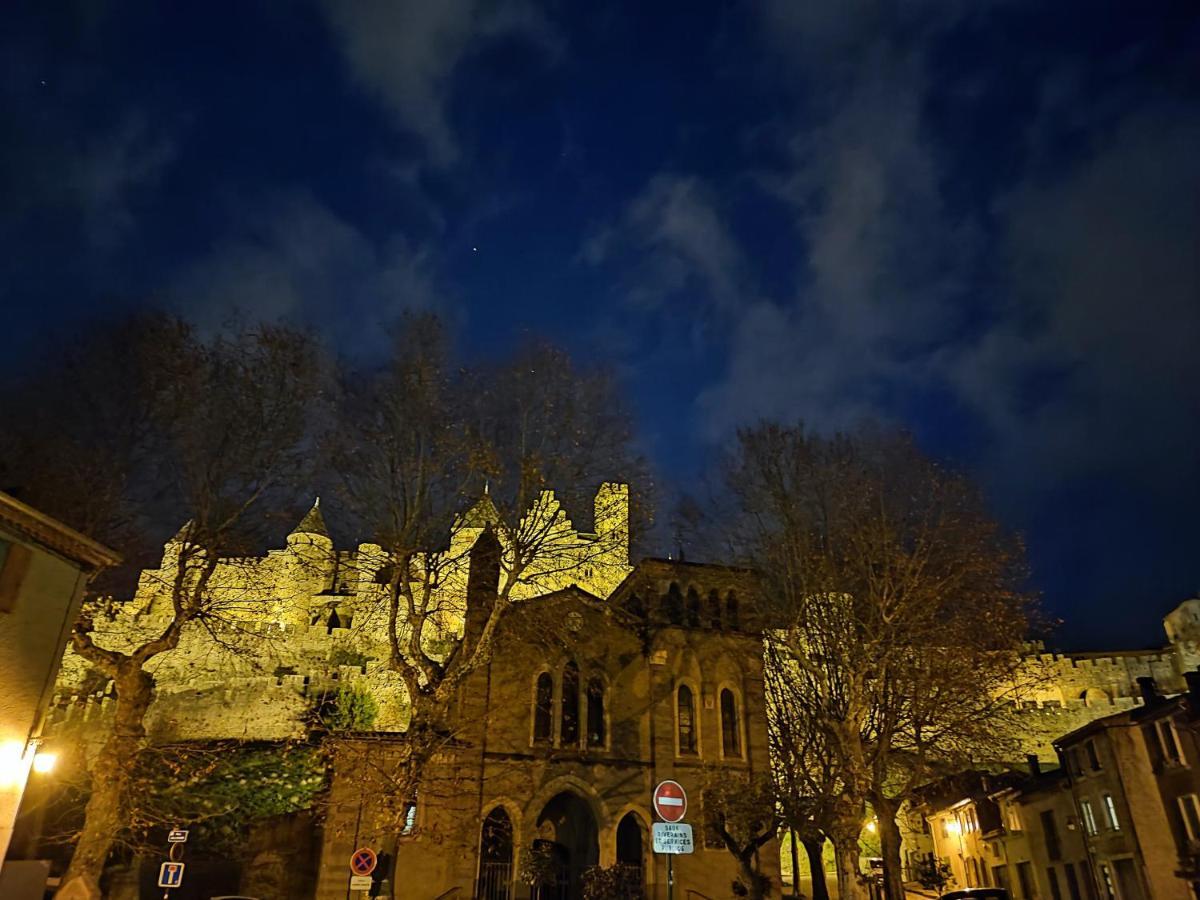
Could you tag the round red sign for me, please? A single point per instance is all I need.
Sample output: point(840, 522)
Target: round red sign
point(670, 801)
point(363, 861)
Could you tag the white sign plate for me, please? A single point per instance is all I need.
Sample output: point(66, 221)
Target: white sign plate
point(673, 837)
point(177, 836)
point(360, 882)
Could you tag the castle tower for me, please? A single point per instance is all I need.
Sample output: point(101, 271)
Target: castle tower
point(483, 581)
point(306, 567)
point(612, 520)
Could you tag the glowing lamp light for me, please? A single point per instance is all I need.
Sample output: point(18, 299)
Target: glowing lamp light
point(952, 826)
point(871, 826)
point(44, 763)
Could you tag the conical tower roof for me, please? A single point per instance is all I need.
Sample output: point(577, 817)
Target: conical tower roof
point(313, 522)
point(481, 514)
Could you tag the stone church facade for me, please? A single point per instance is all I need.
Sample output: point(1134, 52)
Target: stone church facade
point(559, 741)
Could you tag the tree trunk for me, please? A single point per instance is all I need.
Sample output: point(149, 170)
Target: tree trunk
point(755, 887)
point(845, 854)
point(814, 846)
point(889, 842)
point(106, 812)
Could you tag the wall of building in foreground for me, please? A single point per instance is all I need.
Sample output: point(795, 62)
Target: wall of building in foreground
point(43, 568)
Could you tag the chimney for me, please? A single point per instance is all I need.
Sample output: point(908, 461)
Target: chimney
point(483, 580)
point(1193, 685)
point(1149, 690)
point(1035, 765)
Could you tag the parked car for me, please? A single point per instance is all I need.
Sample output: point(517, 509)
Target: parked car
point(981, 893)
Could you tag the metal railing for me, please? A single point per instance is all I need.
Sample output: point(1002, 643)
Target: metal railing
point(495, 881)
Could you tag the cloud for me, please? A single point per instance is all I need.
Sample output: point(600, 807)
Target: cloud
point(405, 53)
point(290, 258)
point(1104, 309)
point(675, 229)
point(1060, 321)
point(108, 174)
point(96, 179)
point(881, 272)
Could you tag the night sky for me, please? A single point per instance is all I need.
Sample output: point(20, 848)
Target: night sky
point(980, 220)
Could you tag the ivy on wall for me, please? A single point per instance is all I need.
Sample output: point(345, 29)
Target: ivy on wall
point(218, 789)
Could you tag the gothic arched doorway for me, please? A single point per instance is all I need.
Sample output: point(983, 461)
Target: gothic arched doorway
point(631, 847)
point(568, 843)
point(495, 856)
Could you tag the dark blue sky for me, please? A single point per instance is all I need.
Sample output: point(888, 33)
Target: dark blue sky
point(980, 220)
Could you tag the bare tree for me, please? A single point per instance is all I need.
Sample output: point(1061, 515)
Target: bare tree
point(456, 474)
point(813, 799)
point(145, 424)
point(740, 812)
point(899, 609)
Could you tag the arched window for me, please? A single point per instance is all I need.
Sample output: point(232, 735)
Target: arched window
point(687, 720)
point(693, 608)
point(543, 709)
point(730, 732)
point(595, 712)
point(333, 622)
point(731, 611)
point(629, 845)
point(673, 605)
point(569, 727)
point(496, 855)
point(714, 609)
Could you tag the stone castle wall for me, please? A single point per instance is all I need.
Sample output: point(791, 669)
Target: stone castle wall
point(301, 620)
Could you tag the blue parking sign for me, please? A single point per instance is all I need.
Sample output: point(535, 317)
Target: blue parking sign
point(170, 874)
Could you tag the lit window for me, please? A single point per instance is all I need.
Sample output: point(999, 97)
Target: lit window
point(410, 816)
point(1110, 813)
point(1014, 817)
point(687, 720)
point(1189, 811)
point(1089, 817)
point(1106, 882)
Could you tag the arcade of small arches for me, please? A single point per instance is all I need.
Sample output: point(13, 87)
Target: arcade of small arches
point(568, 828)
point(688, 609)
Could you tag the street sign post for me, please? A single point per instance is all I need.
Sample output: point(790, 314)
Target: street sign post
point(672, 837)
point(361, 882)
point(177, 836)
point(170, 875)
point(670, 802)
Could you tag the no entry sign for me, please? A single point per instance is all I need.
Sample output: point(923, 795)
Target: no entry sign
point(363, 861)
point(670, 801)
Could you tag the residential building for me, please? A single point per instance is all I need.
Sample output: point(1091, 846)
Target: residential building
point(44, 566)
